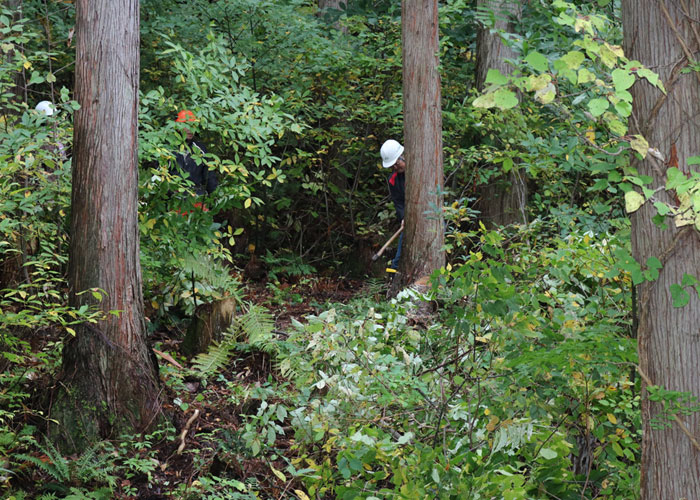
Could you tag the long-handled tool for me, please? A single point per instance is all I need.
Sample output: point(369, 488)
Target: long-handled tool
point(386, 245)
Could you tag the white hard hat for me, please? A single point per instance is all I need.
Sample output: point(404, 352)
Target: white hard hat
point(391, 151)
point(46, 107)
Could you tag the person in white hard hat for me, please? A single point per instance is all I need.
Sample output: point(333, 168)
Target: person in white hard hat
point(392, 157)
point(46, 107)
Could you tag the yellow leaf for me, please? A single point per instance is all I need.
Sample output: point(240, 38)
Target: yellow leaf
point(492, 423)
point(247, 203)
point(27, 65)
point(487, 411)
point(71, 331)
point(278, 474)
point(612, 419)
point(302, 495)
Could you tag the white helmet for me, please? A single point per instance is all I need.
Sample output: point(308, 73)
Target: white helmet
point(391, 151)
point(46, 107)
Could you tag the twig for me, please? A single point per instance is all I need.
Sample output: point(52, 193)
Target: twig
point(183, 434)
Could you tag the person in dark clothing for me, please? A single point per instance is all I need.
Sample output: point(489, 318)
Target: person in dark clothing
point(205, 181)
point(392, 157)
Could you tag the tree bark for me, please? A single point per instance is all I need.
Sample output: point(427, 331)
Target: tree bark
point(324, 5)
point(424, 227)
point(503, 200)
point(655, 33)
point(108, 371)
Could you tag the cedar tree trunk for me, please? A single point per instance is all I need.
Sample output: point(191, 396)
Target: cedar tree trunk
point(503, 200)
point(110, 379)
point(663, 38)
point(424, 228)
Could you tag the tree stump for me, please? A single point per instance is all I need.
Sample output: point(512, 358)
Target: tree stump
point(208, 325)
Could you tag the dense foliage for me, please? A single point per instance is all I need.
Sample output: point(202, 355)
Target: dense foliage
point(520, 385)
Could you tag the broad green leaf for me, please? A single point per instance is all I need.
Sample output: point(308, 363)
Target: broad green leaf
point(548, 454)
point(585, 76)
point(609, 54)
point(674, 178)
point(661, 208)
point(535, 83)
point(494, 76)
point(651, 77)
point(633, 200)
point(622, 79)
point(598, 106)
point(679, 296)
point(537, 61)
point(485, 101)
point(505, 99)
point(689, 280)
point(617, 127)
point(573, 59)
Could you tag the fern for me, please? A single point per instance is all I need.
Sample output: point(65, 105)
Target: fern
point(212, 277)
point(215, 358)
point(256, 324)
point(90, 466)
point(57, 466)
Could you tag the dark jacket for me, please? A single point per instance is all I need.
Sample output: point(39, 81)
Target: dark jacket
point(397, 189)
point(204, 181)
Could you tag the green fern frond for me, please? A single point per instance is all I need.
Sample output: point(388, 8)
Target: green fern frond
point(215, 358)
point(210, 274)
point(57, 466)
point(256, 324)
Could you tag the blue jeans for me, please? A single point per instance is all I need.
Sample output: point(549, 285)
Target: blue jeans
point(395, 260)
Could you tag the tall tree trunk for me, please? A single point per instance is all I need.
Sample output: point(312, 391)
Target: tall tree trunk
point(662, 37)
point(18, 88)
point(503, 200)
point(108, 371)
point(424, 228)
point(324, 5)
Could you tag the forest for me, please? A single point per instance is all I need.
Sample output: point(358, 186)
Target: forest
point(210, 288)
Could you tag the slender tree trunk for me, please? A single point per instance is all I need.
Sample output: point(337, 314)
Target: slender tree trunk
point(503, 200)
point(108, 371)
point(424, 228)
point(655, 33)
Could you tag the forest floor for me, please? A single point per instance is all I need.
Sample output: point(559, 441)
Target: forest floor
point(221, 412)
point(212, 410)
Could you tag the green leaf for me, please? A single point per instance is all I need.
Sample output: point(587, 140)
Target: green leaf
point(505, 99)
point(679, 296)
point(548, 454)
point(622, 79)
point(633, 200)
point(674, 178)
point(598, 106)
point(585, 76)
point(693, 160)
point(689, 280)
point(573, 59)
point(537, 61)
point(661, 208)
point(50, 78)
point(494, 76)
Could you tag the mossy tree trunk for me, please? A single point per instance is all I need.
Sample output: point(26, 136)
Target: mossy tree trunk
point(109, 376)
